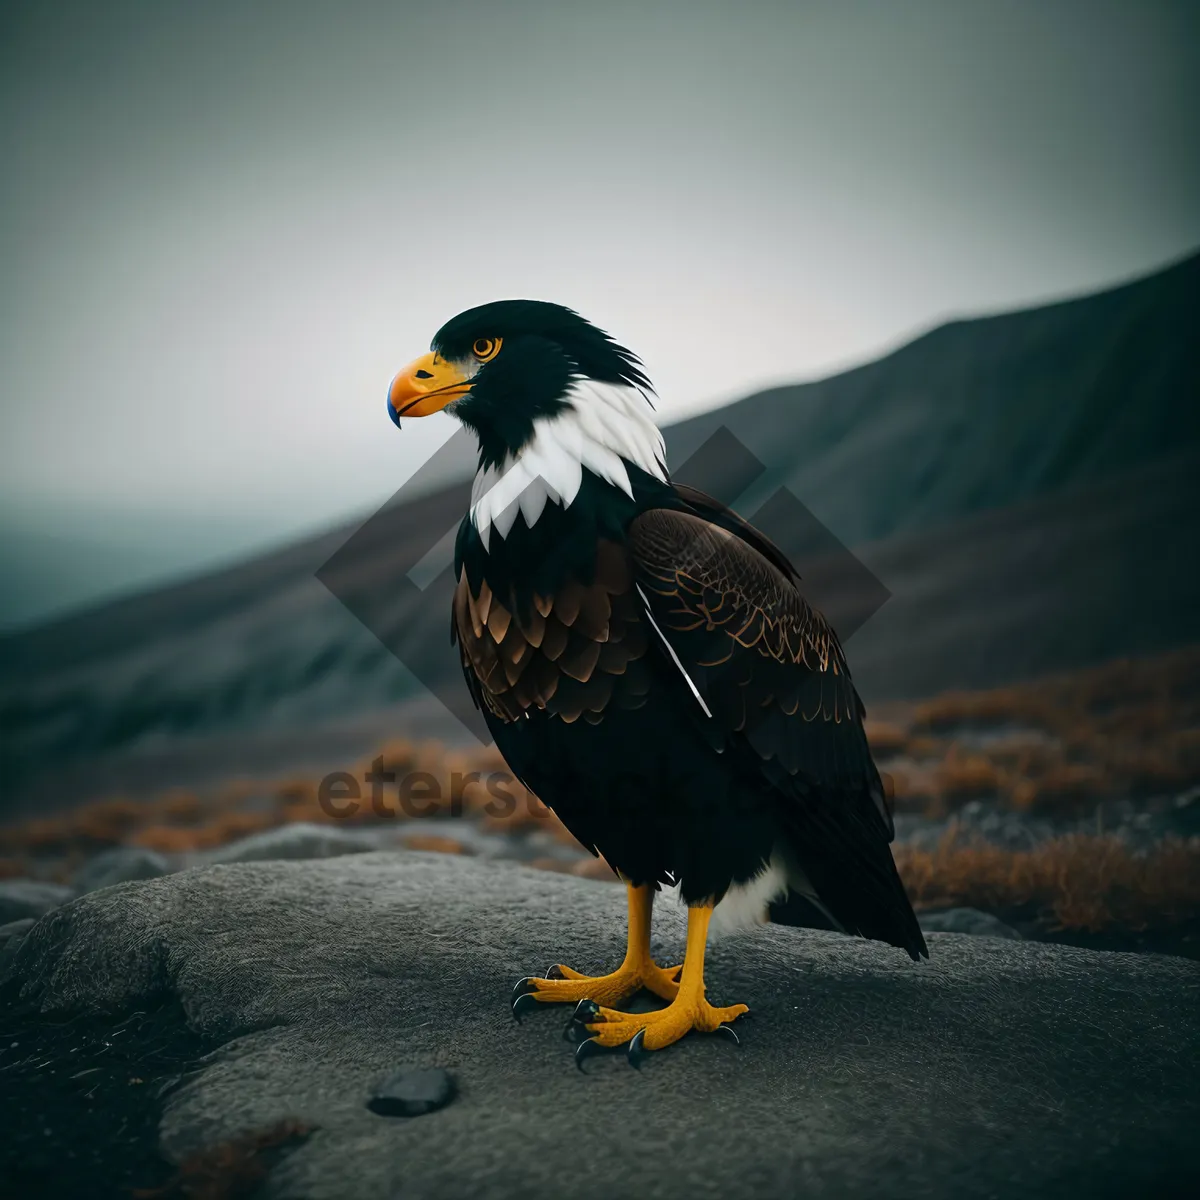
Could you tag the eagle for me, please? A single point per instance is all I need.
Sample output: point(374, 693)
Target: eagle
point(649, 667)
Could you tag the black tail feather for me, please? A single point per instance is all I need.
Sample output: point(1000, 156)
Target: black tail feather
point(851, 869)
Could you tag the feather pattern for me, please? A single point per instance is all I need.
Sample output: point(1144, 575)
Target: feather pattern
point(567, 656)
point(759, 656)
point(771, 670)
point(603, 428)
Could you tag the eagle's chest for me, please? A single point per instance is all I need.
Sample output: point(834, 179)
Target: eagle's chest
point(569, 650)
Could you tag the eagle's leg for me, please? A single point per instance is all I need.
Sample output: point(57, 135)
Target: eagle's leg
point(565, 986)
point(596, 1025)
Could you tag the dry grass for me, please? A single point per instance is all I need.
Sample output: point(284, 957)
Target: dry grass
point(13, 868)
point(963, 776)
point(1140, 696)
point(1000, 706)
point(921, 746)
point(434, 842)
point(181, 822)
point(886, 737)
point(1081, 882)
point(1059, 745)
point(232, 1170)
point(222, 829)
point(1062, 786)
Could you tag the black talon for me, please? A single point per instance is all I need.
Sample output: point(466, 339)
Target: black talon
point(587, 1050)
point(521, 993)
point(636, 1054)
point(523, 1004)
point(585, 1011)
point(729, 1031)
point(576, 1031)
point(555, 972)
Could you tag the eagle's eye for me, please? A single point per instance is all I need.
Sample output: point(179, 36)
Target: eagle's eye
point(486, 349)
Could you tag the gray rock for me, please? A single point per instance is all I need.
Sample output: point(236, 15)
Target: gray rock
point(10, 937)
point(967, 920)
point(15, 930)
point(1006, 1069)
point(301, 840)
point(121, 864)
point(21, 898)
point(413, 1092)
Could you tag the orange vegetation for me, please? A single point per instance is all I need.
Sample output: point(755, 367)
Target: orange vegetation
point(434, 842)
point(966, 776)
point(236, 1168)
point(1081, 882)
point(885, 737)
point(1129, 728)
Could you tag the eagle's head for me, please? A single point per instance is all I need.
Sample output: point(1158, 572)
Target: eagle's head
point(503, 367)
point(553, 402)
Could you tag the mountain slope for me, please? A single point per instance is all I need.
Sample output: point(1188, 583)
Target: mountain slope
point(983, 413)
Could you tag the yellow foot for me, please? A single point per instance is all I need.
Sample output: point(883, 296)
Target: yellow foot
point(597, 1028)
point(565, 986)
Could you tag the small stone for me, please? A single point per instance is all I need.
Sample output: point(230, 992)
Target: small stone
point(412, 1092)
point(21, 898)
point(966, 920)
point(121, 864)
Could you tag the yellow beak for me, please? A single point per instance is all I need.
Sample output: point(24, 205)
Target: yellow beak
point(426, 385)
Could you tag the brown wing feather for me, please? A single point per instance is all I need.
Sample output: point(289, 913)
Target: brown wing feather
point(768, 664)
point(570, 653)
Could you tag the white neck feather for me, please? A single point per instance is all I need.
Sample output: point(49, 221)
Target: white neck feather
point(604, 426)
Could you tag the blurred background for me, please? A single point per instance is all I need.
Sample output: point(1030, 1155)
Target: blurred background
point(934, 264)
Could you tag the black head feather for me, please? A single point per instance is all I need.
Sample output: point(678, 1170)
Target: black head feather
point(592, 353)
point(545, 347)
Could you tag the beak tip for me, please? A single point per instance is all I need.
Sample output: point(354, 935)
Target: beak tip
point(425, 386)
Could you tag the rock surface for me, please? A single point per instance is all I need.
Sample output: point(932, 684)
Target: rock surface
point(120, 864)
point(300, 840)
point(22, 898)
point(967, 920)
point(12, 932)
point(16, 929)
point(996, 1069)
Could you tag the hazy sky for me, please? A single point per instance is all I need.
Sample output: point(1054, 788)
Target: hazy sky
point(224, 226)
